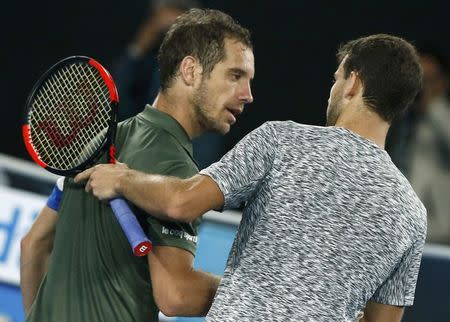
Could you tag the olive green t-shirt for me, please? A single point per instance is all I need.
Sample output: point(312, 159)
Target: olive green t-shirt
point(92, 274)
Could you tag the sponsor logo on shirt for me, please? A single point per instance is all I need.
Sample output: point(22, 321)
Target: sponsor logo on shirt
point(179, 233)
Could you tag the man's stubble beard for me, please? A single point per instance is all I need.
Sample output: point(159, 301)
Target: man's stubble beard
point(201, 111)
point(333, 112)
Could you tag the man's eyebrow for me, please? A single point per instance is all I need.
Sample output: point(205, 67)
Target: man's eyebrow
point(237, 70)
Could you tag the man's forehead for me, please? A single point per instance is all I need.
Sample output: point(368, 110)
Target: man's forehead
point(341, 65)
point(238, 55)
point(234, 46)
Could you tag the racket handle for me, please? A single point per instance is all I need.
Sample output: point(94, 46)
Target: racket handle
point(138, 240)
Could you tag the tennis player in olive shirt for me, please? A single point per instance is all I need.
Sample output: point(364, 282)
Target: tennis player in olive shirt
point(206, 66)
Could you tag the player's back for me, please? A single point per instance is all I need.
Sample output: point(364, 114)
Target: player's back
point(331, 222)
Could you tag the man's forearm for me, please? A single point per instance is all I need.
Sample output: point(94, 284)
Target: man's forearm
point(35, 249)
point(161, 196)
point(155, 194)
point(170, 197)
point(203, 291)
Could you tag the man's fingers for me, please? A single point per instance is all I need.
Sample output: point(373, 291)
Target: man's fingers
point(121, 165)
point(84, 175)
point(88, 187)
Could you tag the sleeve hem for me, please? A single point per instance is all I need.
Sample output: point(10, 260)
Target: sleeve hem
point(169, 243)
point(219, 183)
point(394, 302)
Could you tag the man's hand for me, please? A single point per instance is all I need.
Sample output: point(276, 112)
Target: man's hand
point(102, 180)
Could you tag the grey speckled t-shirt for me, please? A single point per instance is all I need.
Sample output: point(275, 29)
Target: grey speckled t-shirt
point(329, 223)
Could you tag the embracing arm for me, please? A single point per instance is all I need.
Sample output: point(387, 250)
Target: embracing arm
point(375, 312)
point(179, 199)
point(240, 171)
point(163, 197)
point(35, 249)
point(178, 289)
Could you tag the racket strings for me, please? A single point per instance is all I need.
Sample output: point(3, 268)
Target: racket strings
point(70, 116)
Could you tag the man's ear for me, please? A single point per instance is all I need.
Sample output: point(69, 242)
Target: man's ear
point(190, 69)
point(353, 85)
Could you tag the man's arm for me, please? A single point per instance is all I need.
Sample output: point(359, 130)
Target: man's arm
point(238, 174)
point(161, 196)
point(178, 289)
point(375, 312)
point(35, 250)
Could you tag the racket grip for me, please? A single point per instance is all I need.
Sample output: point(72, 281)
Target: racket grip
point(139, 242)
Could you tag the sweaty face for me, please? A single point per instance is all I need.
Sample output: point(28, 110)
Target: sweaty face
point(220, 97)
point(335, 102)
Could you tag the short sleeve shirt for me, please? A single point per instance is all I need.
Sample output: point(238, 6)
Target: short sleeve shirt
point(92, 274)
point(154, 142)
point(328, 224)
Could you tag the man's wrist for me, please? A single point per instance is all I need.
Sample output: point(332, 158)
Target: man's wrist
point(121, 182)
point(54, 200)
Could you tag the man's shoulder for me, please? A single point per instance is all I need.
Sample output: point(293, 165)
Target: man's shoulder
point(291, 129)
point(147, 134)
point(292, 125)
point(149, 147)
point(401, 199)
point(412, 203)
point(136, 126)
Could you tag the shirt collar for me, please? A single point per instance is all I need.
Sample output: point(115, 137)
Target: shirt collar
point(169, 124)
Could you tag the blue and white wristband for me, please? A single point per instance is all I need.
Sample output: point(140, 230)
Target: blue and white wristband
point(54, 199)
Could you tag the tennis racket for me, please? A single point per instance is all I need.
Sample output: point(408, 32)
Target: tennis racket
point(71, 121)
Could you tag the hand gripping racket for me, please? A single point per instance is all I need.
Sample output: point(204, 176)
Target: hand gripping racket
point(71, 120)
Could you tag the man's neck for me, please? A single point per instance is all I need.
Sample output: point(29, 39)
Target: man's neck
point(180, 110)
point(366, 123)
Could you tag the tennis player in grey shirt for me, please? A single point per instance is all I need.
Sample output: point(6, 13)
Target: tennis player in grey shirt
point(331, 230)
